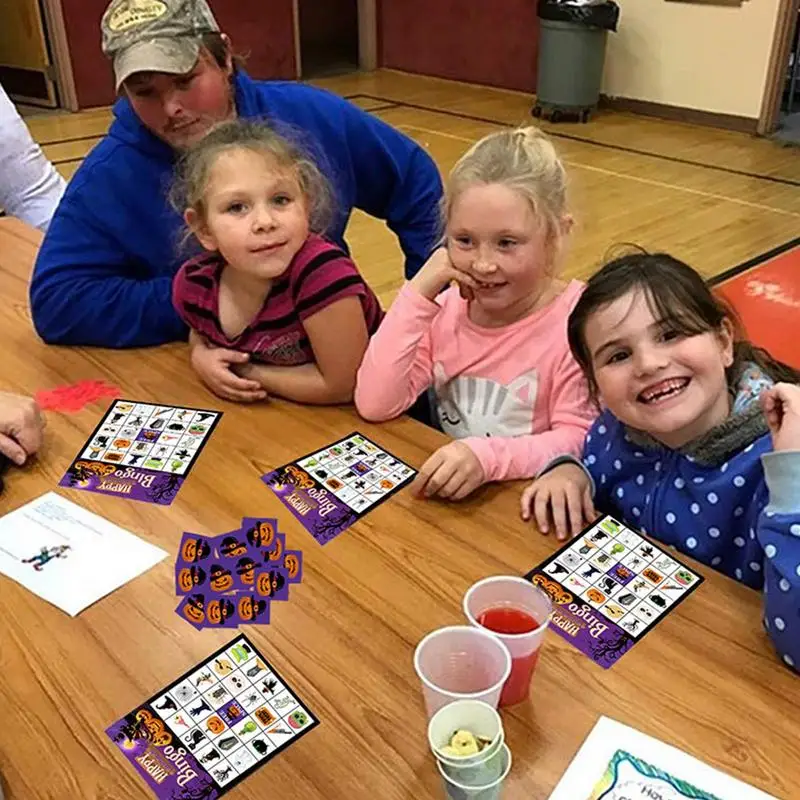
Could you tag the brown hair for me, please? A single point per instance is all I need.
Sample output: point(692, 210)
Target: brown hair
point(674, 292)
point(219, 49)
point(194, 168)
point(522, 159)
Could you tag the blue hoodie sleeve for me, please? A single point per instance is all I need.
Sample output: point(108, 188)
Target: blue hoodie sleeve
point(779, 535)
point(84, 291)
point(596, 461)
point(592, 462)
point(396, 180)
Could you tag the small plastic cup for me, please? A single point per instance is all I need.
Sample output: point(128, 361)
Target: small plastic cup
point(461, 663)
point(456, 790)
point(480, 719)
point(503, 594)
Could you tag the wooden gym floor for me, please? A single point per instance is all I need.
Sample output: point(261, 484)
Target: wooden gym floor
point(714, 198)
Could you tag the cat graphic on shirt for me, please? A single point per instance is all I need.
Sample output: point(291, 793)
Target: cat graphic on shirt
point(472, 406)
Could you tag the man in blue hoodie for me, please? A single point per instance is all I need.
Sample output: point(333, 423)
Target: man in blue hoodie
point(104, 272)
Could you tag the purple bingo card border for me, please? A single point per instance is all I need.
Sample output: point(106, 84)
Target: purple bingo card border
point(141, 451)
point(610, 586)
point(214, 726)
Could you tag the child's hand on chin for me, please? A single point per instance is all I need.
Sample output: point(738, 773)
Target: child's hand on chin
point(437, 273)
point(781, 405)
point(452, 473)
point(216, 367)
point(563, 497)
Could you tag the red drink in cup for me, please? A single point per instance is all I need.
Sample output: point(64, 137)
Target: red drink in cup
point(508, 620)
point(517, 613)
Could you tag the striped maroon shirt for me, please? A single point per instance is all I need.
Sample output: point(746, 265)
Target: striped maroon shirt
point(319, 275)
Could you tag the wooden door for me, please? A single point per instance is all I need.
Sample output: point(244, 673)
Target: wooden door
point(785, 25)
point(26, 70)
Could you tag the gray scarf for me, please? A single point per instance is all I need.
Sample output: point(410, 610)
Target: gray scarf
point(745, 424)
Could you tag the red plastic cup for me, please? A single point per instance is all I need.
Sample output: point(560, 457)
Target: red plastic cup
point(517, 613)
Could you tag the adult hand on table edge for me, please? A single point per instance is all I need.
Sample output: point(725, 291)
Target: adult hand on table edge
point(21, 427)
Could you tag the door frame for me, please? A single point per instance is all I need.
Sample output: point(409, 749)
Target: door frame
point(776, 70)
point(367, 36)
point(59, 51)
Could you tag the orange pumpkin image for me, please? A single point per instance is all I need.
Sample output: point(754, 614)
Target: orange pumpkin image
point(268, 582)
point(219, 610)
point(277, 550)
point(295, 475)
point(189, 577)
point(261, 534)
point(155, 730)
point(195, 549)
point(215, 724)
point(596, 596)
point(250, 609)
point(96, 469)
point(292, 564)
point(193, 610)
point(232, 547)
point(221, 579)
point(245, 569)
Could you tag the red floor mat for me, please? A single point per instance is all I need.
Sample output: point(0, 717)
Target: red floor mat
point(766, 295)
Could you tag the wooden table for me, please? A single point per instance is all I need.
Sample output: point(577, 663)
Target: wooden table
point(706, 680)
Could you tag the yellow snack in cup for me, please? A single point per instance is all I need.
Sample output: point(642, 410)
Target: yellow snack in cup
point(462, 743)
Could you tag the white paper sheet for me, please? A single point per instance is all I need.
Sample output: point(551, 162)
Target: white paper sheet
point(69, 556)
point(609, 736)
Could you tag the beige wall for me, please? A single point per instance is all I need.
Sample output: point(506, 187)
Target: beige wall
point(708, 57)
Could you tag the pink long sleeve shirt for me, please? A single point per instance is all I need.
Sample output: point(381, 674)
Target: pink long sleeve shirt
point(514, 394)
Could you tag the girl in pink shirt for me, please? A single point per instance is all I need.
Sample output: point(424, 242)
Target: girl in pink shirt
point(493, 346)
point(262, 301)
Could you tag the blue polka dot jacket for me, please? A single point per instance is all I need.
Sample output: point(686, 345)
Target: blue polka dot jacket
point(725, 499)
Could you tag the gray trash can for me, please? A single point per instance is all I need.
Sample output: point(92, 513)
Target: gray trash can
point(572, 49)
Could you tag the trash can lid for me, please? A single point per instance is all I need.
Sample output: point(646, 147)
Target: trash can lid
point(588, 13)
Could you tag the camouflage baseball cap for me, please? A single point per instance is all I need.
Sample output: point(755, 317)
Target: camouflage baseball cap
point(154, 35)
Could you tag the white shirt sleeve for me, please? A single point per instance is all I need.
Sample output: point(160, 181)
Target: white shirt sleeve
point(30, 186)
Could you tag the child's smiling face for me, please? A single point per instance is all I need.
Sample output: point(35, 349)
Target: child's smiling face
point(654, 378)
point(495, 237)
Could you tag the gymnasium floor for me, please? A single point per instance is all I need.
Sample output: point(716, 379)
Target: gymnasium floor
point(717, 199)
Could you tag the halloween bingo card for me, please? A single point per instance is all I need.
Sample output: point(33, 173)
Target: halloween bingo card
point(141, 451)
point(231, 579)
point(332, 488)
point(610, 586)
point(214, 726)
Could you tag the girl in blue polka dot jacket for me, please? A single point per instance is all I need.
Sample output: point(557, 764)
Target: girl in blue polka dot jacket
point(698, 442)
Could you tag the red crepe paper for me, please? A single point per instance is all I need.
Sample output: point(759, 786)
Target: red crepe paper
point(76, 396)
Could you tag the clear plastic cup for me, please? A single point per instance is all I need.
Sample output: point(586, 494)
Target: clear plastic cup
point(456, 790)
point(504, 595)
point(461, 663)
